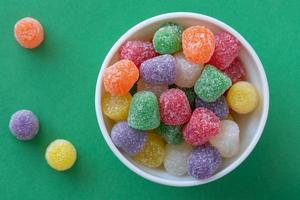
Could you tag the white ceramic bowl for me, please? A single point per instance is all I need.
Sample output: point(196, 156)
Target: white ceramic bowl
point(251, 125)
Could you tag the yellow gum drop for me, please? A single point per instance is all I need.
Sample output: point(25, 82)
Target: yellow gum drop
point(153, 153)
point(116, 107)
point(242, 97)
point(61, 155)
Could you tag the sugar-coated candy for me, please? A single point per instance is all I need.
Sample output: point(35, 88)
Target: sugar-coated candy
point(174, 107)
point(61, 155)
point(204, 161)
point(128, 139)
point(24, 125)
point(156, 89)
point(116, 107)
point(189, 92)
point(159, 70)
point(29, 33)
point(227, 141)
point(120, 77)
point(202, 125)
point(153, 153)
point(198, 44)
point(171, 134)
point(186, 73)
point(137, 51)
point(175, 161)
point(167, 39)
point(226, 50)
point(144, 111)
point(236, 71)
point(242, 97)
point(219, 107)
point(211, 84)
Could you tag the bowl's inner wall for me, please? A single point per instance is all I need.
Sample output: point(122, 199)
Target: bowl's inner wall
point(248, 123)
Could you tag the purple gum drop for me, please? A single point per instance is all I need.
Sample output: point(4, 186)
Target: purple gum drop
point(204, 161)
point(24, 125)
point(219, 107)
point(128, 139)
point(159, 70)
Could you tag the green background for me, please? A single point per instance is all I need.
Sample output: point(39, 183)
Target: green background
point(57, 82)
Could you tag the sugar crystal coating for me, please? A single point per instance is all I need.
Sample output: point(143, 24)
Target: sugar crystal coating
point(203, 125)
point(24, 125)
point(186, 73)
point(119, 78)
point(175, 161)
point(144, 111)
point(137, 51)
point(219, 107)
point(61, 155)
point(204, 161)
point(236, 71)
point(116, 107)
point(174, 107)
point(227, 141)
point(226, 50)
point(29, 33)
point(128, 139)
point(198, 44)
point(171, 134)
point(156, 89)
point(211, 84)
point(159, 70)
point(242, 97)
point(153, 153)
point(167, 39)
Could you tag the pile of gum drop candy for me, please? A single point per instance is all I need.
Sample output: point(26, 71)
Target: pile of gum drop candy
point(60, 154)
point(171, 99)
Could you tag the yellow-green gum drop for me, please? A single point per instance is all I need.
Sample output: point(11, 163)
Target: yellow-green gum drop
point(61, 155)
point(153, 153)
point(116, 107)
point(242, 97)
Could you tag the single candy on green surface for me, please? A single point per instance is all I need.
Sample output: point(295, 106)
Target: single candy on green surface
point(211, 84)
point(167, 39)
point(144, 111)
point(171, 134)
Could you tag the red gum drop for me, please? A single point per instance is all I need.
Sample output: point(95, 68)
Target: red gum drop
point(137, 51)
point(236, 71)
point(174, 107)
point(226, 50)
point(203, 125)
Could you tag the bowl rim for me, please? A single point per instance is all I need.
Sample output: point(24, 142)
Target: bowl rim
point(262, 121)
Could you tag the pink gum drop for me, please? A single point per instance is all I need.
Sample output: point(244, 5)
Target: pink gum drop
point(203, 125)
point(226, 50)
point(174, 107)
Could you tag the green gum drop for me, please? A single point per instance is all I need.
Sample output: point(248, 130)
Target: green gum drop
point(144, 111)
point(171, 134)
point(211, 84)
point(167, 39)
